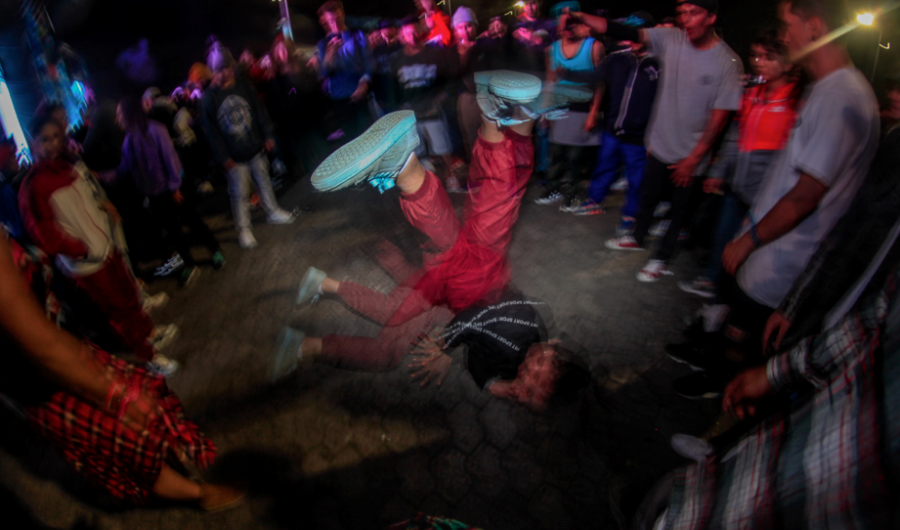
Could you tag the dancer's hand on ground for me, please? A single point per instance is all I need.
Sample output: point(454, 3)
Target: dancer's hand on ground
point(746, 390)
point(430, 368)
point(776, 327)
point(429, 344)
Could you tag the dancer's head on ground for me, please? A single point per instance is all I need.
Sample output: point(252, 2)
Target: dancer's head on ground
point(47, 138)
point(548, 372)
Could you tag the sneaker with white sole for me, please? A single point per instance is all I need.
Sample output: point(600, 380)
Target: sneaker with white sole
point(287, 353)
point(623, 243)
point(691, 447)
point(653, 271)
point(280, 217)
point(171, 265)
point(163, 336)
point(156, 301)
point(589, 207)
point(310, 286)
point(163, 365)
point(699, 286)
point(549, 197)
point(498, 92)
point(246, 239)
point(377, 155)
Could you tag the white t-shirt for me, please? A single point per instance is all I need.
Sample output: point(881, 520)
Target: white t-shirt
point(834, 140)
point(691, 85)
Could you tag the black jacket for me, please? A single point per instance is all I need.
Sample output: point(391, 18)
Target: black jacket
point(630, 89)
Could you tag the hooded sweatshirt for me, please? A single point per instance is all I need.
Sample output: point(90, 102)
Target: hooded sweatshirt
point(61, 208)
point(235, 121)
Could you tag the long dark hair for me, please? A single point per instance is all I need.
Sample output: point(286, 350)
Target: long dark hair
point(133, 117)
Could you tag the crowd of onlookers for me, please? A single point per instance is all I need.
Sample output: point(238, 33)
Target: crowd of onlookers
point(785, 178)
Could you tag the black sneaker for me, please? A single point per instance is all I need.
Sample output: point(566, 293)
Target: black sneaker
point(697, 358)
point(702, 385)
point(549, 197)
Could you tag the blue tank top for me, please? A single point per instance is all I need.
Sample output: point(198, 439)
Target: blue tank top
point(581, 62)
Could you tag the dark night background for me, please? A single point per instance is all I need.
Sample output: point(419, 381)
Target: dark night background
point(177, 29)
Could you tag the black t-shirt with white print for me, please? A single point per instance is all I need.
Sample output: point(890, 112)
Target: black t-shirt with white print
point(497, 337)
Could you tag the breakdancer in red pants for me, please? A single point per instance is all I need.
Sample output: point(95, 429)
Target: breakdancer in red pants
point(466, 278)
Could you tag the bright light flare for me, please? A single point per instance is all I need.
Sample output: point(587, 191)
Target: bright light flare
point(866, 19)
point(11, 121)
point(520, 4)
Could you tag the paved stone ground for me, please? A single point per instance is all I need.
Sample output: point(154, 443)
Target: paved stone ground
point(332, 448)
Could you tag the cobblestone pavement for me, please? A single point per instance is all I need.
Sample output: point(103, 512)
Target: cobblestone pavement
point(332, 448)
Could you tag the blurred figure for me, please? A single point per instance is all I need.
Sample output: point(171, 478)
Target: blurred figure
point(69, 217)
point(421, 73)
point(890, 113)
point(535, 34)
point(10, 216)
point(149, 158)
point(240, 136)
point(692, 108)
point(346, 63)
point(436, 22)
point(571, 144)
point(117, 424)
point(160, 108)
point(138, 65)
point(629, 80)
point(762, 128)
point(385, 50)
point(471, 57)
point(297, 107)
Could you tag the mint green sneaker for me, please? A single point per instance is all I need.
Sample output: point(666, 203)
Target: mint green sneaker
point(378, 155)
point(498, 92)
point(309, 285)
point(286, 354)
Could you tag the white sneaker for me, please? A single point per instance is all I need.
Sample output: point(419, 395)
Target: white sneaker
point(205, 188)
point(163, 336)
point(653, 270)
point(281, 217)
point(623, 243)
point(691, 447)
point(246, 239)
point(163, 365)
point(156, 301)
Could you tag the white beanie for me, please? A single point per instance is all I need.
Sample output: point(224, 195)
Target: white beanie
point(463, 15)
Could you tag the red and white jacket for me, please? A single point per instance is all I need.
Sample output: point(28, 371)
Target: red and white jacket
point(61, 208)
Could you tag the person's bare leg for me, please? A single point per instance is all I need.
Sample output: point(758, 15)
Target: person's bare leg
point(330, 286)
point(311, 346)
point(410, 179)
point(171, 485)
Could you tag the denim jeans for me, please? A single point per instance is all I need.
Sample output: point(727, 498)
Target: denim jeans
point(731, 214)
point(238, 180)
point(610, 156)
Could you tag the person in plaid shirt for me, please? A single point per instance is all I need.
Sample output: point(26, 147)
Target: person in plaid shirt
point(833, 460)
point(116, 423)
